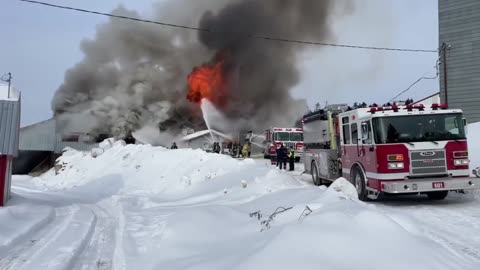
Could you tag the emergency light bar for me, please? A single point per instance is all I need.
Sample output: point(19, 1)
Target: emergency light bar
point(442, 106)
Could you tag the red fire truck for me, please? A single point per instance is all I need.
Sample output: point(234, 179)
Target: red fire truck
point(390, 150)
point(289, 137)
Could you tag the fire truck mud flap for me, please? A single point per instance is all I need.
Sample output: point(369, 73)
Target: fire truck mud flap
point(430, 185)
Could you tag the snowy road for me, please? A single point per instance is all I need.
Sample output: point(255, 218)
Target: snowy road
point(138, 207)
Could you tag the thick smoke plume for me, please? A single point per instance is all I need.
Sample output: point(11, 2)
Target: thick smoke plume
point(135, 74)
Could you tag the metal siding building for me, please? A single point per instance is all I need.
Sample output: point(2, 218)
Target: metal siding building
point(459, 27)
point(38, 137)
point(9, 131)
point(9, 127)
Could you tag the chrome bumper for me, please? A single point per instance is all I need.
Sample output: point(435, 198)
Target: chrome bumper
point(427, 185)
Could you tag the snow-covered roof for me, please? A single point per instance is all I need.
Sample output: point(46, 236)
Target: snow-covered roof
point(14, 94)
point(204, 132)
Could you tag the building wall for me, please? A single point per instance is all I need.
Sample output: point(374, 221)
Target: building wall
point(9, 126)
point(459, 27)
point(38, 137)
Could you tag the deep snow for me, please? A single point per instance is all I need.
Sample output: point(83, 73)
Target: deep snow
point(143, 207)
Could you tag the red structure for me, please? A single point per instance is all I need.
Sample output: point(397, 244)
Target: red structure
point(9, 137)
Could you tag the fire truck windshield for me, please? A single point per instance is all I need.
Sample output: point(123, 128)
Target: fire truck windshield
point(418, 128)
point(288, 136)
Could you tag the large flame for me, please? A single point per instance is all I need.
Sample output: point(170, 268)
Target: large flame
point(209, 81)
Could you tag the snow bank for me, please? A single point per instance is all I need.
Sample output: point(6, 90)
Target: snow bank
point(474, 145)
point(176, 174)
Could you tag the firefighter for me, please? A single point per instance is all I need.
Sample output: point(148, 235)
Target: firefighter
point(129, 139)
point(174, 146)
point(291, 159)
point(245, 150)
point(216, 147)
point(249, 149)
point(282, 157)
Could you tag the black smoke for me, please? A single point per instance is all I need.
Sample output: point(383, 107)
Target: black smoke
point(134, 74)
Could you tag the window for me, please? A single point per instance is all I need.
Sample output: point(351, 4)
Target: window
point(346, 134)
point(354, 133)
point(368, 135)
point(419, 128)
point(282, 136)
point(296, 136)
point(345, 120)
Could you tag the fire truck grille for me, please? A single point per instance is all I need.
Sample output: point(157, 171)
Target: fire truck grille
point(427, 162)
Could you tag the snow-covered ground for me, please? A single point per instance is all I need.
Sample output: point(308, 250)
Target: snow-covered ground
point(141, 207)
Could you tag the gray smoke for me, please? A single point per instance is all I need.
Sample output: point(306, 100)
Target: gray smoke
point(134, 74)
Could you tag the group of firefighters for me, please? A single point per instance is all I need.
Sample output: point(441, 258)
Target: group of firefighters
point(281, 157)
point(236, 150)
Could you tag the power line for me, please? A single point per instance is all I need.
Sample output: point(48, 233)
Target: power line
point(417, 81)
point(219, 32)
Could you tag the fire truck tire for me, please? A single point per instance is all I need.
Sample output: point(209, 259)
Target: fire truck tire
point(358, 180)
point(437, 195)
point(315, 176)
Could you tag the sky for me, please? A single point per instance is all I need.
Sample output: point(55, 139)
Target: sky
point(39, 44)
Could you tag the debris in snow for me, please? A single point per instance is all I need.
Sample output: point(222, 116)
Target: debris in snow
point(266, 223)
point(244, 184)
point(307, 211)
point(225, 191)
point(345, 188)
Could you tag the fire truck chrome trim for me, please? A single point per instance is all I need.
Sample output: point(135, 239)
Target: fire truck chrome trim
point(425, 185)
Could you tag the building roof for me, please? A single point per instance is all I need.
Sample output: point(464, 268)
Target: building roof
point(425, 98)
point(203, 133)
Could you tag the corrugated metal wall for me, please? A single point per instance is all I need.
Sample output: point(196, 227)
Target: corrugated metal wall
point(9, 126)
point(460, 27)
point(44, 136)
point(38, 137)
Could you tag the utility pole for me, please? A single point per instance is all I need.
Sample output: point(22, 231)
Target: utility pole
point(445, 79)
point(9, 83)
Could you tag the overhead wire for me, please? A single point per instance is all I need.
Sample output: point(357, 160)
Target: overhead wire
point(252, 36)
point(419, 80)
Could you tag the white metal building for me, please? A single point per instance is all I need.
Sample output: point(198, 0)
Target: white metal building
point(10, 100)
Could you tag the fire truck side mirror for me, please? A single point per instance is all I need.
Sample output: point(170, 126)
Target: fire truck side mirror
point(465, 125)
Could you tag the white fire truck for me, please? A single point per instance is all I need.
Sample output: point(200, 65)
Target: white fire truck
point(289, 137)
point(390, 150)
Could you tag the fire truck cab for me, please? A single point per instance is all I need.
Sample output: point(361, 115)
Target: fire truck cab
point(390, 150)
point(289, 137)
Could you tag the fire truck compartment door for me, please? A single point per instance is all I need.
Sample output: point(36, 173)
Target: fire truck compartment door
point(323, 164)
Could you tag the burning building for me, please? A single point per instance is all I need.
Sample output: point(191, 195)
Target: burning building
point(136, 75)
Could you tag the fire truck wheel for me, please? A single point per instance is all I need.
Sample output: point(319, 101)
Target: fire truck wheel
point(359, 181)
point(438, 195)
point(315, 177)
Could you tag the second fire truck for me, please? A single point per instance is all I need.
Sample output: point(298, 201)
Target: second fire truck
point(394, 150)
point(289, 137)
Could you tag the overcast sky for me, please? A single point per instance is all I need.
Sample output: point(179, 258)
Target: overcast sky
point(39, 44)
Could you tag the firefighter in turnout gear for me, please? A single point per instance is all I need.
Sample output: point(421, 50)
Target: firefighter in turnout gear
point(291, 159)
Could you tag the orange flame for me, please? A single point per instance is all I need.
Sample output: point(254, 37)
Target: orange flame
point(208, 81)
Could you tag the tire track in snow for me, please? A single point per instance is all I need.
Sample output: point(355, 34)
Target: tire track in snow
point(58, 246)
point(20, 254)
point(453, 224)
point(98, 253)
